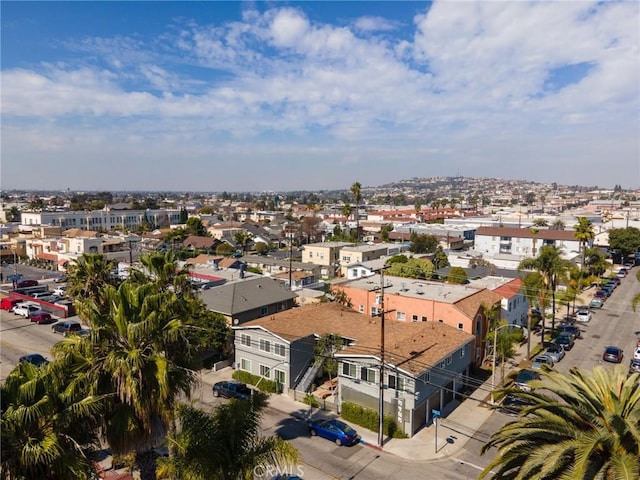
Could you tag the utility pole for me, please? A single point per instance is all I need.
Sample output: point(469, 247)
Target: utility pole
point(381, 396)
point(290, 261)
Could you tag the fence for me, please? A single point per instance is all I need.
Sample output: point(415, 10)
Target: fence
point(64, 311)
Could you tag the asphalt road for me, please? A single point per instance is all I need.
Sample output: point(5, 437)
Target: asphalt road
point(616, 324)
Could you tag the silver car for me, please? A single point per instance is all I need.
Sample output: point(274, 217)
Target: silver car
point(556, 352)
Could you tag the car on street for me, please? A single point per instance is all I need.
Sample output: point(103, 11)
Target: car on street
point(231, 389)
point(541, 360)
point(601, 294)
point(25, 309)
point(556, 352)
point(583, 316)
point(596, 303)
point(629, 265)
point(334, 430)
point(524, 379)
point(511, 405)
point(622, 273)
point(66, 327)
point(634, 366)
point(573, 331)
point(50, 298)
point(41, 317)
point(60, 279)
point(612, 354)
point(565, 340)
point(34, 358)
point(8, 303)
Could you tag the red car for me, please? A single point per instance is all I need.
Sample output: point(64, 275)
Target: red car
point(27, 283)
point(42, 317)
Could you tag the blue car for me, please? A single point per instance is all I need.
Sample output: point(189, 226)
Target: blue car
point(34, 358)
point(334, 430)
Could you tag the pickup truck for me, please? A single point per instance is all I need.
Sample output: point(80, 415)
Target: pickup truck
point(231, 390)
point(26, 310)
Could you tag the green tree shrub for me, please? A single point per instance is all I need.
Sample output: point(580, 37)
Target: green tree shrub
point(268, 386)
point(370, 419)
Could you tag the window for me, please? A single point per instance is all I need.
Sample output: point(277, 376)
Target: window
point(368, 374)
point(265, 371)
point(401, 316)
point(441, 321)
point(449, 360)
point(424, 319)
point(245, 364)
point(264, 311)
point(245, 340)
point(361, 309)
point(442, 365)
point(279, 349)
point(265, 345)
point(349, 370)
point(461, 326)
point(414, 318)
point(346, 259)
point(375, 311)
point(397, 383)
point(378, 299)
point(462, 353)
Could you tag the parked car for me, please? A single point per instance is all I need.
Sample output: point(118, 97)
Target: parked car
point(596, 303)
point(66, 327)
point(334, 430)
point(34, 358)
point(612, 354)
point(629, 265)
point(511, 405)
point(232, 389)
point(583, 316)
point(622, 273)
point(27, 283)
point(556, 352)
point(634, 366)
point(570, 330)
point(39, 295)
point(601, 294)
point(50, 298)
point(60, 291)
point(60, 279)
point(541, 360)
point(565, 340)
point(41, 317)
point(524, 379)
point(25, 309)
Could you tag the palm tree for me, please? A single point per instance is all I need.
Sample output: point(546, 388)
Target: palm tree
point(584, 234)
point(161, 269)
point(89, 275)
point(356, 191)
point(582, 425)
point(225, 444)
point(47, 427)
point(553, 268)
point(243, 238)
point(534, 291)
point(140, 355)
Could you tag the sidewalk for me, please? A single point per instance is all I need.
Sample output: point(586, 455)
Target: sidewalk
point(460, 421)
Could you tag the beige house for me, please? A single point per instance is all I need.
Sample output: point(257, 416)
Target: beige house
point(325, 254)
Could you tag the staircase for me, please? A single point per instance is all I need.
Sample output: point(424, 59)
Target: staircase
point(307, 379)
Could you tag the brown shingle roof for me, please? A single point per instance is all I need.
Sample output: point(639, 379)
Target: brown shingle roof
point(410, 346)
point(199, 242)
point(526, 233)
point(471, 305)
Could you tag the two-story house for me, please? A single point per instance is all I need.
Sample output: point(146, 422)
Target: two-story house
point(325, 254)
point(524, 242)
point(409, 300)
point(514, 306)
point(425, 364)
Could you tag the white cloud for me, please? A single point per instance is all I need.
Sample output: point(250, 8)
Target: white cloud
point(374, 24)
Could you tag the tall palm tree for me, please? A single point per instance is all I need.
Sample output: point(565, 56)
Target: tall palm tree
point(141, 356)
point(47, 426)
point(553, 268)
point(89, 275)
point(243, 238)
point(584, 234)
point(596, 261)
point(225, 444)
point(534, 291)
point(582, 425)
point(162, 270)
point(356, 190)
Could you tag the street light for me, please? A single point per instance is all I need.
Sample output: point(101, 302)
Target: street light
point(495, 352)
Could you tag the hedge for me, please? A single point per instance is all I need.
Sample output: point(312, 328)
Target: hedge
point(268, 386)
point(370, 419)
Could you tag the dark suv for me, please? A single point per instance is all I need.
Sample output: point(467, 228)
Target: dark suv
point(66, 327)
point(231, 390)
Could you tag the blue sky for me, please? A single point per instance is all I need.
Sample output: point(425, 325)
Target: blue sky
point(252, 96)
